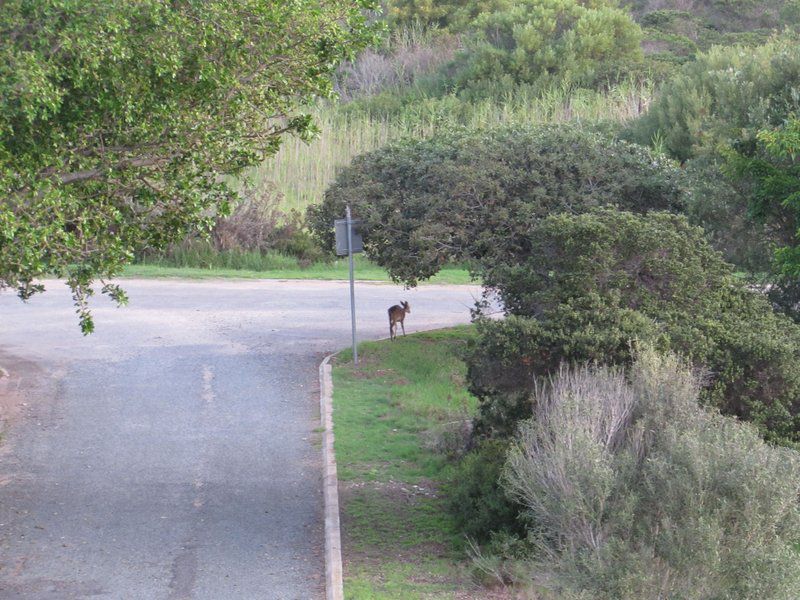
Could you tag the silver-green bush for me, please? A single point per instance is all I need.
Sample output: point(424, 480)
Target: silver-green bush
point(639, 493)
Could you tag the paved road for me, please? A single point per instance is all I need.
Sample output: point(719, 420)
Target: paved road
point(173, 454)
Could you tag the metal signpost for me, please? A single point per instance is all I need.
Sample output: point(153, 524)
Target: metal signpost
point(348, 242)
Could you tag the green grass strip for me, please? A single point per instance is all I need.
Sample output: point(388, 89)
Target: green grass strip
point(391, 414)
point(338, 270)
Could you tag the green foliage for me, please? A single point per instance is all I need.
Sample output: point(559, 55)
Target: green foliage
point(512, 356)
point(711, 114)
point(709, 22)
point(119, 120)
point(770, 176)
point(588, 286)
point(473, 195)
point(540, 41)
point(678, 35)
point(476, 499)
point(773, 171)
point(639, 493)
point(721, 209)
point(654, 263)
point(724, 98)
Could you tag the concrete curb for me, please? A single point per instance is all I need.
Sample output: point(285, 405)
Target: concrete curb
point(334, 584)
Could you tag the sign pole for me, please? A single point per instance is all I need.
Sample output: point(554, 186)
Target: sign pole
point(352, 283)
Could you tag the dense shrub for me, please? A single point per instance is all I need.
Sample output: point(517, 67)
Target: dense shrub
point(509, 358)
point(713, 113)
point(473, 195)
point(454, 15)
point(721, 209)
point(408, 56)
point(589, 285)
point(771, 174)
point(258, 224)
point(707, 21)
point(724, 98)
point(655, 263)
point(639, 493)
point(678, 35)
point(476, 499)
point(253, 220)
point(541, 41)
point(250, 237)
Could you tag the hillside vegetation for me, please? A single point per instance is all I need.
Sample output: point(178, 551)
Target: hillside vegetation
point(436, 70)
point(625, 180)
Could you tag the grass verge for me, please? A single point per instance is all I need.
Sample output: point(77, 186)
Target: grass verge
point(337, 270)
point(390, 415)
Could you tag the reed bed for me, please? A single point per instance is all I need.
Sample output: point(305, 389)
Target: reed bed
point(302, 171)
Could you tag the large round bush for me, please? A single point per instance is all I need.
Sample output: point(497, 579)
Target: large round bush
point(593, 284)
point(474, 195)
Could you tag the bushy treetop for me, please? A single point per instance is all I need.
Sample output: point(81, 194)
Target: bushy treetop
point(473, 195)
point(539, 41)
point(724, 98)
point(119, 119)
point(593, 284)
point(454, 15)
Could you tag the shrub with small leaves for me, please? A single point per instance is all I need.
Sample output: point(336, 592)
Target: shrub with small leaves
point(637, 492)
point(724, 98)
point(591, 285)
point(476, 499)
point(473, 195)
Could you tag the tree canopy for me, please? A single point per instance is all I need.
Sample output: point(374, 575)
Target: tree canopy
point(593, 283)
point(541, 41)
point(121, 121)
point(473, 195)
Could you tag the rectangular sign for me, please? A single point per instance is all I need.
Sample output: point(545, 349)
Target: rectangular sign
point(341, 236)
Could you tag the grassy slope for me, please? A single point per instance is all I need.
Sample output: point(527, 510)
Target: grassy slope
point(399, 540)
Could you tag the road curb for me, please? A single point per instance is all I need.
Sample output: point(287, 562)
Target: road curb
point(334, 585)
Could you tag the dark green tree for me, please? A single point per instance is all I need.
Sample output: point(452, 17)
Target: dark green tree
point(473, 195)
point(594, 284)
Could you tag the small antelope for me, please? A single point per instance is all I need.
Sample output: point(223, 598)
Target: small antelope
point(397, 314)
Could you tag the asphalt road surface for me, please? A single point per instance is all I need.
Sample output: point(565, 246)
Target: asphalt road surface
point(173, 453)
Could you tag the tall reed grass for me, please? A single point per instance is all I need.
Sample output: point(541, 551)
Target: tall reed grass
point(302, 171)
